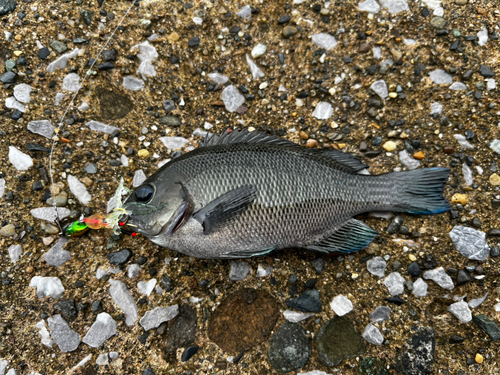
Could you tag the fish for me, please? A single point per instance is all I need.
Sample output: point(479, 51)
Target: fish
point(243, 194)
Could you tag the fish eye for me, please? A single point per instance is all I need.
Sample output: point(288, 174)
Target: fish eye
point(144, 193)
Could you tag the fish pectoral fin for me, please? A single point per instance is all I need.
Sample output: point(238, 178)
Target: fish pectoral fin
point(250, 253)
point(354, 235)
point(225, 207)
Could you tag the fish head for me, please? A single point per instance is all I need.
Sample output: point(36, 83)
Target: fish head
point(155, 208)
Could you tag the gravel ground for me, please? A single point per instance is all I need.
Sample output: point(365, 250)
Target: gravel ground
point(416, 76)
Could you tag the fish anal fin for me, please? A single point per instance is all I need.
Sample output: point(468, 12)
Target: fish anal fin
point(225, 207)
point(251, 253)
point(354, 235)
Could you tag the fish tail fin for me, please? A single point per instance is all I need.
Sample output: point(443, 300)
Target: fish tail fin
point(420, 191)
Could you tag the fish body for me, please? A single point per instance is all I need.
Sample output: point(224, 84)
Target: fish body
point(245, 194)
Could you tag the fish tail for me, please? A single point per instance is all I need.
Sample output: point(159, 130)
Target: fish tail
point(420, 191)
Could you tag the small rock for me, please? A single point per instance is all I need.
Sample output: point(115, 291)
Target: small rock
point(289, 348)
point(307, 302)
point(380, 314)
point(488, 326)
point(470, 242)
point(67, 339)
point(440, 277)
point(417, 356)
point(239, 271)
point(101, 330)
point(461, 311)
point(395, 283)
point(120, 257)
point(341, 305)
point(376, 266)
point(373, 335)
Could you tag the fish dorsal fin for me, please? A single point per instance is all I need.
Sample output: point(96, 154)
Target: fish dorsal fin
point(349, 163)
point(243, 136)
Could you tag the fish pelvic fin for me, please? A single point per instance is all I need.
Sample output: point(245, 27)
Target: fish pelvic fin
point(420, 191)
point(354, 235)
point(250, 253)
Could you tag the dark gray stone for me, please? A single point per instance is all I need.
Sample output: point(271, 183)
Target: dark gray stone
point(486, 72)
point(414, 269)
point(289, 348)
point(167, 283)
point(488, 326)
point(109, 55)
point(59, 46)
point(9, 77)
point(168, 105)
point(417, 356)
point(7, 6)
point(463, 277)
point(395, 224)
point(120, 257)
point(67, 309)
point(307, 302)
point(318, 265)
point(87, 16)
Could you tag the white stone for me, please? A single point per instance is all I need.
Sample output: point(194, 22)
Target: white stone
point(2, 187)
point(207, 126)
point(468, 177)
point(376, 266)
point(154, 318)
point(370, 6)
point(232, 98)
point(325, 41)
point(395, 6)
point(195, 300)
point(395, 283)
point(79, 190)
point(373, 335)
point(377, 53)
point(218, 78)
point(432, 4)
point(102, 359)
point(245, 12)
point(238, 271)
point(133, 270)
point(198, 20)
point(438, 12)
point(461, 311)
point(380, 88)
point(59, 96)
point(19, 160)
point(380, 314)
point(174, 143)
point(256, 72)
point(323, 111)
point(49, 213)
point(122, 297)
point(67, 339)
point(263, 272)
point(56, 256)
point(12, 103)
point(101, 330)
point(314, 372)
point(100, 273)
point(470, 242)
point(477, 301)
point(408, 161)
point(22, 92)
point(482, 36)
point(100, 127)
point(420, 288)
point(440, 277)
point(113, 355)
point(139, 178)
point(440, 77)
point(495, 145)
point(409, 42)
point(295, 316)
point(132, 83)
point(47, 286)
point(84, 107)
point(341, 305)
point(199, 133)
point(148, 52)
point(258, 50)
point(146, 69)
point(41, 127)
point(62, 61)
point(436, 108)
point(146, 287)
point(497, 307)
point(490, 84)
point(8, 36)
point(462, 141)
point(71, 82)
point(3, 366)
point(15, 251)
point(44, 333)
point(458, 86)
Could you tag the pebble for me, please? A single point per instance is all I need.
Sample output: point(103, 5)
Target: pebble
point(389, 146)
point(146, 287)
point(259, 50)
point(20, 160)
point(414, 269)
point(376, 266)
point(488, 326)
point(495, 179)
point(380, 314)
point(395, 283)
point(295, 317)
point(461, 311)
point(373, 335)
point(122, 297)
point(238, 271)
point(289, 31)
point(395, 224)
point(470, 242)
point(438, 22)
point(318, 265)
point(189, 353)
point(153, 318)
point(56, 256)
point(307, 302)
point(67, 339)
point(325, 41)
point(486, 71)
point(8, 230)
point(15, 251)
point(418, 354)
point(119, 257)
point(289, 348)
point(341, 305)
point(47, 286)
point(101, 330)
point(440, 277)
point(420, 288)
point(460, 198)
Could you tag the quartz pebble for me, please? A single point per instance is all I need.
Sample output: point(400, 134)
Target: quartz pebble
point(245, 12)
point(71, 82)
point(44, 333)
point(2, 187)
point(79, 190)
point(436, 108)
point(323, 111)
point(122, 297)
point(139, 178)
point(370, 6)
point(380, 314)
point(376, 266)
point(174, 143)
point(47, 286)
point(19, 160)
point(439, 76)
point(62, 61)
point(15, 251)
point(470, 242)
point(132, 83)
point(56, 256)
point(12, 103)
point(295, 317)
point(264, 272)
point(477, 301)
point(440, 277)
point(461, 311)
point(395, 6)
point(41, 127)
point(22, 92)
point(256, 72)
point(218, 78)
point(232, 98)
point(325, 41)
point(420, 288)
point(100, 127)
point(467, 172)
point(395, 283)
point(259, 50)
point(458, 86)
point(133, 270)
point(239, 271)
point(462, 141)
point(373, 335)
point(153, 318)
point(101, 330)
point(67, 339)
point(482, 36)
point(408, 161)
point(380, 88)
point(341, 305)
point(146, 287)
point(102, 359)
point(49, 213)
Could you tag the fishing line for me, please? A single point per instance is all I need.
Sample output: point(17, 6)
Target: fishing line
point(60, 127)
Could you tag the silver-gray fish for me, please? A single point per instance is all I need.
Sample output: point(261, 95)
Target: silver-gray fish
point(244, 194)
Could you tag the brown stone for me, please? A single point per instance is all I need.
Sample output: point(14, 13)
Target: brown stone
point(113, 106)
point(243, 320)
point(311, 143)
point(448, 150)
point(364, 47)
point(181, 332)
point(303, 135)
point(419, 155)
